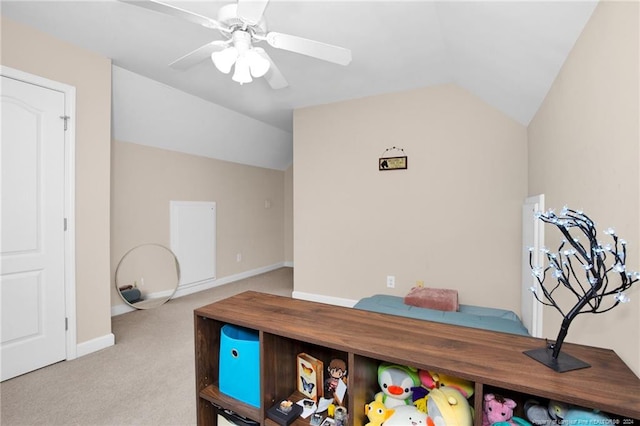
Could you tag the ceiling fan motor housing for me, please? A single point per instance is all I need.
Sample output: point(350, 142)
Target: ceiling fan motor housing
point(241, 41)
point(228, 16)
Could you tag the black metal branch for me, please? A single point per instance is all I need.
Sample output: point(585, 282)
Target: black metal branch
point(593, 259)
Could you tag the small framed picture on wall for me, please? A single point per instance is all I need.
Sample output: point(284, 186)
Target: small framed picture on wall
point(392, 163)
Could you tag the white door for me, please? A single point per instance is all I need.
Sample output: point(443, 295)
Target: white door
point(32, 296)
point(532, 237)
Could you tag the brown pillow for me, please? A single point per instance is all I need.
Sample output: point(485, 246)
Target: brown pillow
point(433, 298)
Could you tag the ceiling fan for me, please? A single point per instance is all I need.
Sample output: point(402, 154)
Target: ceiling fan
point(242, 24)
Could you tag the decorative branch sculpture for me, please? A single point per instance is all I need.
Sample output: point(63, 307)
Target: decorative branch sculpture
point(595, 274)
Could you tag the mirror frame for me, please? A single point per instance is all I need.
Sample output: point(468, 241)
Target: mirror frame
point(159, 301)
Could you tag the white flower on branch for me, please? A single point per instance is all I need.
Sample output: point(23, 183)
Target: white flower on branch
point(622, 298)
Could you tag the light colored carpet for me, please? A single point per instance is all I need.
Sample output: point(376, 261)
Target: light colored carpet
point(146, 378)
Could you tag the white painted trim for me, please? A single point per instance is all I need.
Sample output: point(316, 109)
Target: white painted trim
point(529, 305)
point(204, 285)
point(70, 209)
point(288, 264)
point(338, 301)
point(120, 309)
point(70, 194)
point(191, 288)
point(94, 345)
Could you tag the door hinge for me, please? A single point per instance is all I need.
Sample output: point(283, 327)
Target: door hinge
point(65, 223)
point(66, 324)
point(65, 118)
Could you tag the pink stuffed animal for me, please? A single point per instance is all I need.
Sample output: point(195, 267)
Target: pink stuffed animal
point(497, 409)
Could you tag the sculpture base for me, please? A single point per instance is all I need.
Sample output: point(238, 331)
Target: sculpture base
point(563, 363)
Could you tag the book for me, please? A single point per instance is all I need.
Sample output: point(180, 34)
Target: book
point(310, 376)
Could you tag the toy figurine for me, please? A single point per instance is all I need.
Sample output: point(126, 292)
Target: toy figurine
point(337, 372)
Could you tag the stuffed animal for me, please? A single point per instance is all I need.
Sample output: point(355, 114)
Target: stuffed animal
point(396, 382)
point(407, 415)
point(585, 416)
point(377, 412)
point(544, 415)
point(497, 409)
point(420, 397)
point(517, 420)
point(536, 413)
point(432, 380)
point(447, 406)
point(557, 412)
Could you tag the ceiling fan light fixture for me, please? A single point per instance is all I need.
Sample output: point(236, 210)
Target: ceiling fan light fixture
point(225, 59)
point(242, 73)
point(258, 64)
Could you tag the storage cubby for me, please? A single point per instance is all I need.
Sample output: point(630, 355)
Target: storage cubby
point(207, 353)
point(280, 357)
point(493, 361)
point(521, 398)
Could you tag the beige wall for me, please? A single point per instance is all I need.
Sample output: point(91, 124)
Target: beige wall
point(288, 216)
point(146, 179)
point(584, 147)
point(33, 52)
point(452, 219)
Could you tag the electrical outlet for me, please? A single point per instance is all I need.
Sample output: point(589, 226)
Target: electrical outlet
point(391, 281)
point(239, 257)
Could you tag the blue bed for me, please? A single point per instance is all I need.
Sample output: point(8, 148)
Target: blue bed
point(467, 315)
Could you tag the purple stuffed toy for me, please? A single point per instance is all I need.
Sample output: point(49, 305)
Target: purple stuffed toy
point(497, 409)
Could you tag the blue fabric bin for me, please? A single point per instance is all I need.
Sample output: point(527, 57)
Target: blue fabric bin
point(239, 368)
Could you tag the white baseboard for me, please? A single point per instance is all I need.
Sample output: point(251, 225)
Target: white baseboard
point(94, 345)
point(338, 301)
point(205, 285)
point(121, 309)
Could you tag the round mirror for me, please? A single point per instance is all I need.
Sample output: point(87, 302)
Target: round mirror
point(147, 276)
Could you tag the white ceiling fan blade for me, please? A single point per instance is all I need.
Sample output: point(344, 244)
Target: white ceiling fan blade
point(316, 49)
point(199, 55)
point(251, 11)
point(168, 9)
point(274, 77)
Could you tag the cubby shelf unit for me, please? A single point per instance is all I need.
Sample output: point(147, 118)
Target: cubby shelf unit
point(493, 361)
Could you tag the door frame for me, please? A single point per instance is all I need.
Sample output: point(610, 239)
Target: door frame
point(537, 259)
point(69, 196)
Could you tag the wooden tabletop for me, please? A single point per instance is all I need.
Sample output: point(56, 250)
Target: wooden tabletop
point(487, 357)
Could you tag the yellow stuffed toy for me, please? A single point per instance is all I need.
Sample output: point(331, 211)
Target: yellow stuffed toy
point(447, 406)
point(433, 379)
point(377, 412)
point(430, 380)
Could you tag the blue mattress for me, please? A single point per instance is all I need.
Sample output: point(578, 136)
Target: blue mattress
point(467, 315)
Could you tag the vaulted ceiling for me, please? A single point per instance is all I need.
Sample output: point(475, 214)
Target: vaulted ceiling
point(505, 52)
